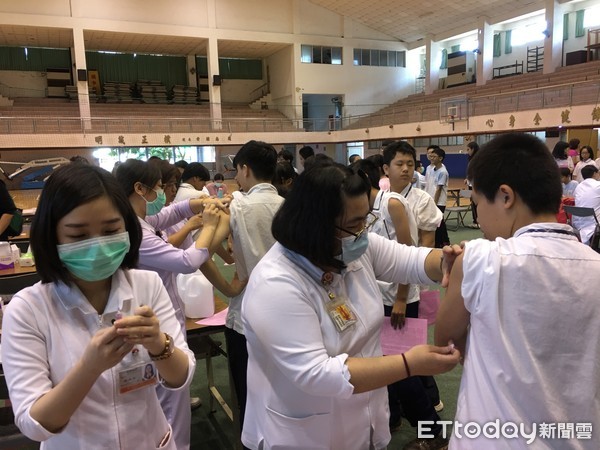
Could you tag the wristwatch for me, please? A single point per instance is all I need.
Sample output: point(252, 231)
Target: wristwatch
point(167, 352)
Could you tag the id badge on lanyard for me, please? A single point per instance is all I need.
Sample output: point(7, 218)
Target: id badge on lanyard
point(136, 370)
point(338, 307)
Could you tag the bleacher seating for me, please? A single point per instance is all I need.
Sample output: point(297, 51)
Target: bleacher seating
point(151, 92)
point(184, 95)
point(42, 115)
point(117, 92)
point(487, 99)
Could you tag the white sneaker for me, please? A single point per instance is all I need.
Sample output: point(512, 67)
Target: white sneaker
point(195, 402)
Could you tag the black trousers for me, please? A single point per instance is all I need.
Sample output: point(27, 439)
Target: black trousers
point(441, 232)
point(409, 397)
point(237, 359)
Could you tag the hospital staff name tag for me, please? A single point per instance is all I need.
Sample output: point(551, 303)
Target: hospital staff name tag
point(137, 376)
point(341, 313)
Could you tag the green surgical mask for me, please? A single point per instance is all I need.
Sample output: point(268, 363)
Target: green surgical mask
point(95, 259)
point(157, 204)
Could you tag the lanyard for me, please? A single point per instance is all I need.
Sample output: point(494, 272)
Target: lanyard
point(551, 230)
point(338, 308)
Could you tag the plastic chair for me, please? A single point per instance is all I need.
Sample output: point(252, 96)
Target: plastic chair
point(580, 211)
point(457, 213)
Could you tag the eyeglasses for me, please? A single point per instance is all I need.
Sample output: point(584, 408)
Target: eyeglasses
point(369, 221)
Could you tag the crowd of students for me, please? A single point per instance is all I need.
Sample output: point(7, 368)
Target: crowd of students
point(580, 182)
point(102, 336)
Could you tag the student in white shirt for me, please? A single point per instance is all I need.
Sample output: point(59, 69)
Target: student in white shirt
point(252, 211)
point(436, 185)
point(569, 185)
point(193, 181)
point(419, 396)
point(527, 328)
point(586, 158)
point(312, 315)
point(69, 341)
point(587, 195)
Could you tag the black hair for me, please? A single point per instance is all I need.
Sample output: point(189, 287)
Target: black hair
point(389, 152)
point(588, 171)
point(195, 169)
point(318, 160)
point(260, 157)
point(218, 176)
point(182, 164)
point(565, 172)
point(589, 149)
point(508, 159)
point(69, 187)
point(134, 170)
point(473, 146)
point(283, 171)
point(306, 152)
point(306, 222)
point(559, 150)
point(353, 158)
point(440, 152)
point(376, 159)
point(286, 155)
point(574, 143)
point(78, 159)
point(370, 169)
point(432, 146)
point(168, 171)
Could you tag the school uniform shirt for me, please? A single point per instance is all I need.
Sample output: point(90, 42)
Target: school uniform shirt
point(435, 178)
point(587, 195)
point(46, 330)
point(385, 227)
point(426, 213)
point(251, 216)
point(580, 165)
point(187, 191)
point(534, 342)
point(418, 180)
point(569, 188)
point(299, 393)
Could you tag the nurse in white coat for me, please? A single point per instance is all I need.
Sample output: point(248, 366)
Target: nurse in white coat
point(75, 346)
point(312, 313)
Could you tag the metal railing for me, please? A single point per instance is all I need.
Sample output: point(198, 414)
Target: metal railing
point(554, 96)
point(259, 92)
point(562, 95)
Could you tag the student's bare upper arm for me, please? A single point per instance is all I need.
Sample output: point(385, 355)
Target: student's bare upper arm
point(399, 216)
point(453, 318)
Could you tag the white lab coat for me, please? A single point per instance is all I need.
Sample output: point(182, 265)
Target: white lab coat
point(299, 394)
point(46, 329)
